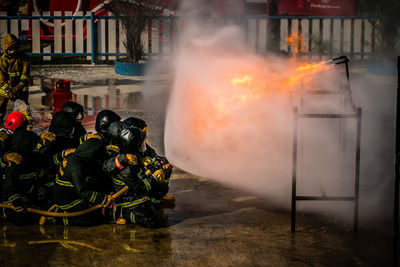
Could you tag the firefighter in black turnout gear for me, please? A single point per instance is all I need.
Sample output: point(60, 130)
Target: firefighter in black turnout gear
point(134, 206)
point(14, 122)
point(152, 163)
point(21, 182)
point(54, 146)
point(76, 183)
point(78, 114)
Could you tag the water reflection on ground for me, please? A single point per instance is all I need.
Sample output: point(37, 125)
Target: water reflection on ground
point(105, 245)
point(92, 97)
point(123, 96)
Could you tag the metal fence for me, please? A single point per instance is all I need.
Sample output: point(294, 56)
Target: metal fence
point(101, 38)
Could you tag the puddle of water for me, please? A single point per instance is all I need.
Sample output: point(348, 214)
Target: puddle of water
point(120, 96)
point(82, 245)
point(92, 97)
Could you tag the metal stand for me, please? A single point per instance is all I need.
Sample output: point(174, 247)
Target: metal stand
point(355, 114)
point(397, 176)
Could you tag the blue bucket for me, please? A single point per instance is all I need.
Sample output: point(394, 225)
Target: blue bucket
point(129, 68)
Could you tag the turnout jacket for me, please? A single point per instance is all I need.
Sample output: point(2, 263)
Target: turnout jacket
point(133, 175)
point(123, 173)
point(21, 182)
point(79, 172)
point(61, 132)
point(14, 70)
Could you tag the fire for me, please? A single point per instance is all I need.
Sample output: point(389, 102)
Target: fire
point(246, 79)
point(296, 41)
point(246, 88)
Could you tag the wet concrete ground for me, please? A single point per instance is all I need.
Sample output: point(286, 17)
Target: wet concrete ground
point(211, 225)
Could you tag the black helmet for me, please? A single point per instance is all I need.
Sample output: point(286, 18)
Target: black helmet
point(75, 109)
point(62, 124)
point(133, 121)
point(130, 139)
point(104, 119)
point(114, 131)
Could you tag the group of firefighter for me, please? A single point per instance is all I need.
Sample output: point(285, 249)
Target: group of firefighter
point(67, 169)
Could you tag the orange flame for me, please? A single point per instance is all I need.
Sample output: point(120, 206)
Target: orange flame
point(243, 89)
point(296, 42)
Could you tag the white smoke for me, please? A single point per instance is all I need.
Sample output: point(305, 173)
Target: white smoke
point(247, 142)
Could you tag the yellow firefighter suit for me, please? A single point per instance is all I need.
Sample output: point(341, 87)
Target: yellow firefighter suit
point(14, 73)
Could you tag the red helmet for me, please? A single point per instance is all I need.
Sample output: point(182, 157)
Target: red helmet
point(15, 120)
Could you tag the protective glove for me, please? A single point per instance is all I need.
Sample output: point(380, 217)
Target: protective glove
point(18, 88)
point(3, 136)
point(48, 136)
point(67, 151)
point(128, 159)
point(159, 175)
point(92, 135)
point(12, 157)
point(108, 201)
point(167, 169)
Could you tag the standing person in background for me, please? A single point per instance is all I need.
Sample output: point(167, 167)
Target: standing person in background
point(14, 74)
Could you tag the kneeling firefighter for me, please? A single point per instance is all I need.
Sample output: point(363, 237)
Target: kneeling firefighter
point(152, 164)
point(20, 186)
point(134, 205)
point(76, 182)
point(53, 146)
point(14, 121)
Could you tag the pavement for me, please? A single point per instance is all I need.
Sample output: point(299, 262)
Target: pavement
point(210, 225)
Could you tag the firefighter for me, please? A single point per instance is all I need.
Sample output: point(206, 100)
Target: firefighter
point(134, 206)
point(158, 166)
point(103, 120)
point(59, 137)
point(76, 182)
point(14, 121)
point(14, 73)
point(21, 180)
point(77, 112)
point(53, 146)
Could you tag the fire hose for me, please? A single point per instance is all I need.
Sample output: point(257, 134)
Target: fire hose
point(67, 214)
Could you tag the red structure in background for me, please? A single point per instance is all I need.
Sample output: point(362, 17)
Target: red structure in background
point(46, 28)
point(61, 95)
point(317, 7)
